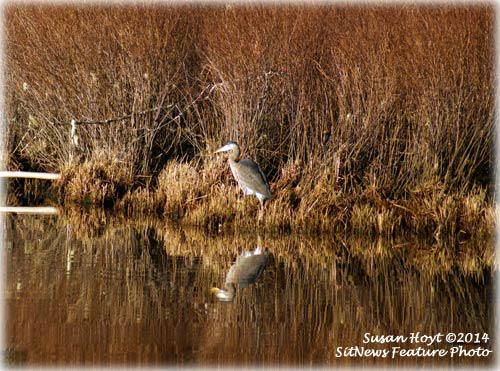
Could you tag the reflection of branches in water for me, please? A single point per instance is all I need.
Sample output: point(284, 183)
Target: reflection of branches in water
point(139, 293)
point(116, 282)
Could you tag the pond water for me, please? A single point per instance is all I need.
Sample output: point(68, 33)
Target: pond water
point(100, 291)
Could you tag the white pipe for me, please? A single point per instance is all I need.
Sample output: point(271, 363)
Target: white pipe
point(28, 174)
point(29, 209)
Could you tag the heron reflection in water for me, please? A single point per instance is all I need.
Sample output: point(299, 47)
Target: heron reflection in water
point(247, 173)
point(244, 272)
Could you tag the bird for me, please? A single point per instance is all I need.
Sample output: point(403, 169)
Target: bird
point(244, 272)
point(247, 173)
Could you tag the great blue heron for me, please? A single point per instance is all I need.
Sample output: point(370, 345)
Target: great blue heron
point(244, 272)
point(247, 173)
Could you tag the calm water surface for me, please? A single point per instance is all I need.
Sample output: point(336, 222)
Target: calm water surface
point(101, 292)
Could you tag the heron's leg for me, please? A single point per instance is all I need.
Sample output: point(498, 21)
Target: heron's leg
point(261, 209)
point(238, 197)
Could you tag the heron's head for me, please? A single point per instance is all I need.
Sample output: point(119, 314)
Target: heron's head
point(224, 295)
point(228, 146)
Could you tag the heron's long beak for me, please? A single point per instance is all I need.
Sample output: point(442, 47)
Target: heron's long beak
point(225, 148)
point(214, 290)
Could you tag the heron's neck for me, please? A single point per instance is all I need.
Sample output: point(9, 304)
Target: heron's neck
point(230, 287)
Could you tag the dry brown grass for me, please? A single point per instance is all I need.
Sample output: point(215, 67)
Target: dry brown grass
point(351, 111)
point(100, 182)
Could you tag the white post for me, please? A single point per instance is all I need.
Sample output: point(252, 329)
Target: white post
point(75, 145)
point(74, 135)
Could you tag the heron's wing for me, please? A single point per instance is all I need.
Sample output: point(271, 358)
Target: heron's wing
point(251, 176)
point(247, 269)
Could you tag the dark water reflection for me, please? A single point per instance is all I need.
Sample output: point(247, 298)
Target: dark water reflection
point(124, 294)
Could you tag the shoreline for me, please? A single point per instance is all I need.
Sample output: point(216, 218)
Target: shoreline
point(207, 197)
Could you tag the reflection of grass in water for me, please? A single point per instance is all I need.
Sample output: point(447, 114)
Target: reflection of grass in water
point(436, 256)
point(143, 286)
point(433, 257)
point(14, 357)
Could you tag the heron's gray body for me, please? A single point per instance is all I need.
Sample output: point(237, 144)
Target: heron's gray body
point(247, 268)
point(250, 178)
point(247, 173)
point(244, 272)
